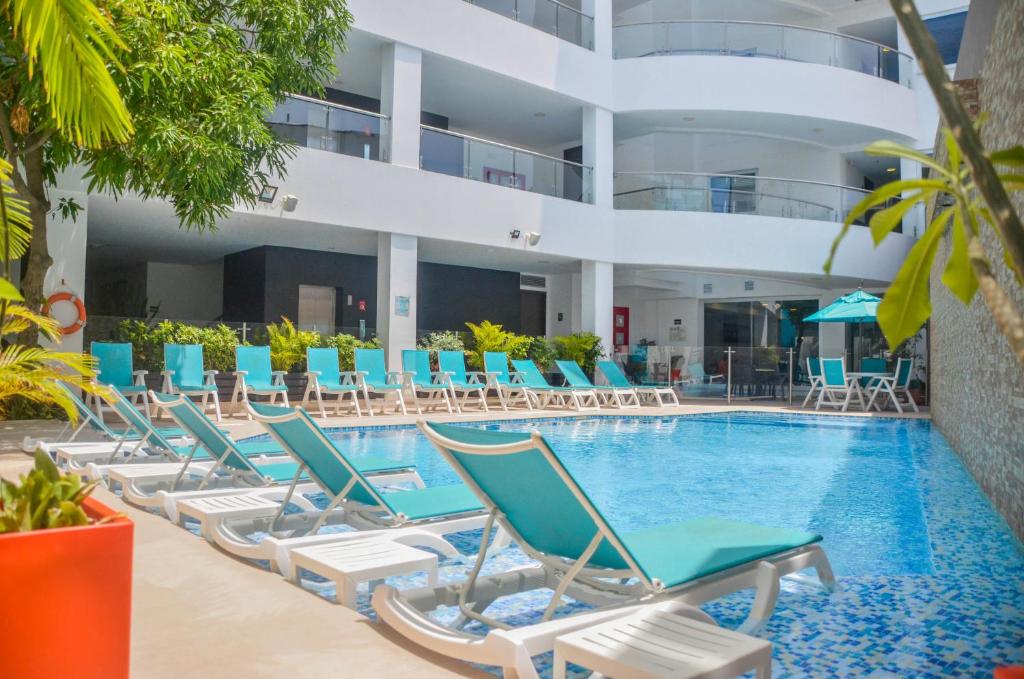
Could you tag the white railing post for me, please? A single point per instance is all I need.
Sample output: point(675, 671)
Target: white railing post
point(728, 375)
point(791, 376)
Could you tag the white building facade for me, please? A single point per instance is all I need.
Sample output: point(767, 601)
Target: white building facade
point(667, 172)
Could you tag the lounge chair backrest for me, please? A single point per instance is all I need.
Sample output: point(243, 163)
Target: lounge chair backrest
point(538, 496)
point(904, 368)
point(304, 440)
point(191, 419)
point(873, 365)
point(325, 362)
point(417, 362)
point(86, 413)
point(255, 361)
point(138, 422)
point(814, 366)
point(114, 363)
point(497, 362)
point(530, 373)
point(574, 374)
point(186, 360)
point(834, 371)
point(453, 362)
point(612, 373)
point(371, 361)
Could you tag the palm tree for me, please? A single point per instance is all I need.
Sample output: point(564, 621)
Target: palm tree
point(58, 51)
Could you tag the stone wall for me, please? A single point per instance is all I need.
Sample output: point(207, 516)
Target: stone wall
point(977, 386)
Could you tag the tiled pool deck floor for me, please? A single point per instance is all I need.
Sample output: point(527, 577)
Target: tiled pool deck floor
point(963, 619)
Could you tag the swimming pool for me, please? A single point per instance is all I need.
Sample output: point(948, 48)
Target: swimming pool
point(933, 581)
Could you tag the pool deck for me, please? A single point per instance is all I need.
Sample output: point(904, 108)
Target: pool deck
point(198, 612)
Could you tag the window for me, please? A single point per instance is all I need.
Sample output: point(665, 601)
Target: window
point(948, 31)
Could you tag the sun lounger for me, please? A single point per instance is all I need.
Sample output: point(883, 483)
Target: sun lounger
point(620, 397)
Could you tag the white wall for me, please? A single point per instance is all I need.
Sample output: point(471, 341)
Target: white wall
point(564, 297)
point(192, 292)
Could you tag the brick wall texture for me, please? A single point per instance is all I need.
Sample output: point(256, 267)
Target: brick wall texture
point(977, 386)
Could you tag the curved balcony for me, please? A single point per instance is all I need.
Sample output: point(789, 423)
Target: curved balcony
point(767, 40)
point(736, 194)
point(549, 16)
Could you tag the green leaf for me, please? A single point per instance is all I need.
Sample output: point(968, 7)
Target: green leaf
point(959, 275)
point(907, 305)
point(891, 148)
point(1010, 156)
point(884, 221)
point(1012, 182)
point(877, 197)
point(9, 292)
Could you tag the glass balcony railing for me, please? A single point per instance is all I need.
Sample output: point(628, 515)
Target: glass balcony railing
point(736, 194)
point(549, 16)
point(751, 39)
point(321, 125)
point(460, 155)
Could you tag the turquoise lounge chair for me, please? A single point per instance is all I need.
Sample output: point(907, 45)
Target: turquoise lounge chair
point(114, 368)
point(531, 376)
point(324, 377)
point(659, 395)
point(422, 380)
point(527, 489)
point(837, 389)
point(253, 375)
point(184, 374)
point(452, 365)
point(620, 397)
point(373, 377)
point(892, 387)
point(507, 385)
point(363, 504)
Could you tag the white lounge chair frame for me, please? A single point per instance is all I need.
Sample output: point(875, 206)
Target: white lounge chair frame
point(839, 396)
point(393, 377)
point(241, 392)
point(314, 388)
point(209, 379)
point(816, 380)
point(886, 388)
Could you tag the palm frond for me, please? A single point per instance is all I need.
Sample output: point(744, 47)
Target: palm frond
point(72, 42)
point(17, 228)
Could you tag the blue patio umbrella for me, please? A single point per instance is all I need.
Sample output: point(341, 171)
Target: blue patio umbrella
point(856, 307)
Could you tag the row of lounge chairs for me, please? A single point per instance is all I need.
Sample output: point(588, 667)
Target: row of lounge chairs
point(513, 485)
point(416, 387)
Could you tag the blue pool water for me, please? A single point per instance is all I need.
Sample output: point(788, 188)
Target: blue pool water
point(849, 479)
point(932, 579)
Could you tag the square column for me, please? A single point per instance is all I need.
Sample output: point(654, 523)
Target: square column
point(601, 10)
point(599, 153)
point(400, 93)
point(596, 292)
point(396, 295)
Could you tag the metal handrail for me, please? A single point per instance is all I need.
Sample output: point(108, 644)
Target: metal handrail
point(746, 176)
point(731, 192)
point(884, 48)
point(331, 104)
point(560, 4)
point(504, 146)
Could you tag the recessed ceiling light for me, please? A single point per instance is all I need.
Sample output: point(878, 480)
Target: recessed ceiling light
point(539, 114)
point(818, 129)
point(689, 119)
point(890, 170)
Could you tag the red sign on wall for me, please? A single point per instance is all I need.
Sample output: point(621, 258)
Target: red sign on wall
point(362, 305)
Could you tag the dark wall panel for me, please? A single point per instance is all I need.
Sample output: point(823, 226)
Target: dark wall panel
point(288, 268)
point(448, 296)
point(244, 285)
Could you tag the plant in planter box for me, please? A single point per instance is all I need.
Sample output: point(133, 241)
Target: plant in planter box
point(347, 345)
point(288, 345)
point(493, 337)
point(583, 347)
point(64, 556)
point(542, 352)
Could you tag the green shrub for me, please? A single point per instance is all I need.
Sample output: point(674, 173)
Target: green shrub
point(43, 498)
point(542, 352)
point(148, 341)
point(445, 340)
point(288, 345)
point(492, 337)
point(17, 407)
point(347, 345)
point(583, 347)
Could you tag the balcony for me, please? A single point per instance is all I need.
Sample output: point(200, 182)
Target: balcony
point(325, 126)
point(752, 39)
point(549, 16)
point(461, 155)
point(736, 194)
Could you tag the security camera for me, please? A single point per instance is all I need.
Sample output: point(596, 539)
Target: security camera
point(532, 238)
point(289, 202)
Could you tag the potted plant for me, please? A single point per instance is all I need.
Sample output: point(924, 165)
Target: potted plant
point(65, 579)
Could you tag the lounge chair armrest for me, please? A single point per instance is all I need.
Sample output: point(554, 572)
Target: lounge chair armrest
point(211, 372)
point(312, 373)
point(138, 373)
point(476, 376)
point(241, 373)
point(167, 373)
point(282, 373)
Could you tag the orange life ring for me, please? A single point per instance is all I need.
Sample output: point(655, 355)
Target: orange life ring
point(79, 306)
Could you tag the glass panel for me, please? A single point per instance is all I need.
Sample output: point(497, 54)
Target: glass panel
point(492, 164)
point(548, 16)
point(440, 152)
point(753, 40)
point(810, 47)
point(695, 38)
point(325, 127)
point(503, 7)
point(858, 56)
point(641, 40)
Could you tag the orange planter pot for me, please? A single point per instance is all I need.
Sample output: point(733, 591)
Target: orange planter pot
point(66, 600)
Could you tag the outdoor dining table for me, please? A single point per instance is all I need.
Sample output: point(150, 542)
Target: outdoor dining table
point(871, 375)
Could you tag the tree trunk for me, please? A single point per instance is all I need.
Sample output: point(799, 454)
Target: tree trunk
point(39, 260)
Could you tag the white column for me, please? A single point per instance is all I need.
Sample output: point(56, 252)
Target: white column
point(396, 295)
point(596, 290)
point(67, 240)
point(400, 85)
point(601, 10)
point(599, 153)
